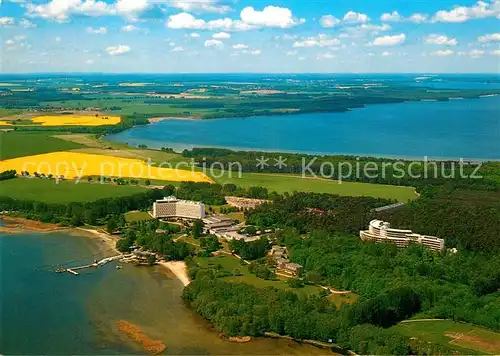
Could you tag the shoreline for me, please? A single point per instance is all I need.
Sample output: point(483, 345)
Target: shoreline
point(179, 269)
point(18, 225)
point(159, 119)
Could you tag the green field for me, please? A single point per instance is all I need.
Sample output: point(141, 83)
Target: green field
point(134, 216)
point(20, 144)
point(282, 183)
point(464, 338)
point(231, 264)
point(65, 192)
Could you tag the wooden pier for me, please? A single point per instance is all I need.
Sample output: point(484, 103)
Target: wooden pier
point(96, 264)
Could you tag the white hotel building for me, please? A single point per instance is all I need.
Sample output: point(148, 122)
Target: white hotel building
point(172, 207)
point(380, 231)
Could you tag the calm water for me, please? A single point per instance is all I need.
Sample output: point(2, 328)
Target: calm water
point(458, 128)
point(45, 313)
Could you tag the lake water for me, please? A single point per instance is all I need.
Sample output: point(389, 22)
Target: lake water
point(45, 313)
point(456, 129)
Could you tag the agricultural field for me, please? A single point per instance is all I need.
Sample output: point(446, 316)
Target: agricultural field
point(282, 183)
point(465, 338)
point(76, 120)
point(48, 191)
point(19, 144)
point(73, 165)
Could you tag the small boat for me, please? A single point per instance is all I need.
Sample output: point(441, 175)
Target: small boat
point(119, 267)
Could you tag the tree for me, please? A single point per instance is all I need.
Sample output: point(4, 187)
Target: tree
point(197, 228)
point(147, 182)
point(151, 259)
point(111, 225)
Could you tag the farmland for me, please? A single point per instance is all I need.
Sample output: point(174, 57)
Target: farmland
point(76, 120)
point(64, 192)
point(19, 144)
point(73, 165)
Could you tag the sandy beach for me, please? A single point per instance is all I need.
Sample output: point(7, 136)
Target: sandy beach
point(158, 119)
point(179, 268)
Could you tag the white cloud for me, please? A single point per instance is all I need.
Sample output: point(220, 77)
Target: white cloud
point(391, 17)
point(97, 31)
point(256, 52)
point(386, 54)
point(26, 23)
point(10, 42)
point(6, 21)
point(200, 5)
point(58, 39)
point(374, 28)
point(130, 28)
point(221, 36)
point(214, 44)
point(185, 20)
point(118, 50)
point(178, 49)
point(271, 16)
point(61, 10)
point(442, 53)
point(194, 35)
point(326, 56)
point(329, 21)
point(89, 61)
point(476, 53)
point(355, 17)
point(240, 46)
point(481, 9)
point(20, 38)
point(440, 40)
point(321, 40)
point(291, 53)
point(418, 18)
point(496, 53)
point(130, 8)
point(491, 37)
point(389, 40)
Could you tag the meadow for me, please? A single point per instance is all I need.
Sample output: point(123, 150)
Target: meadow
point(282, 183)
point(465, 338)
point(18, 144)
point(64, 192)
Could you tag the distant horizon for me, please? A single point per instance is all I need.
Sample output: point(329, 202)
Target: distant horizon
point(253, 73)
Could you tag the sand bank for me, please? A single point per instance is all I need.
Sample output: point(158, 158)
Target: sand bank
point(158, 119)
point(179, 268)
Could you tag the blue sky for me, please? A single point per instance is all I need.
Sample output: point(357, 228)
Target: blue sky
point(172, 36)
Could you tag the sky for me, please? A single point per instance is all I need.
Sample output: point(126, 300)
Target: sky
point(263, 36)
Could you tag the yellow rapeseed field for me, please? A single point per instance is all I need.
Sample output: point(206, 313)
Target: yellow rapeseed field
point(72, 165)
point(76, 120)
point(5, 123)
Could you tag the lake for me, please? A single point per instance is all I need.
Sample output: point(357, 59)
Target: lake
point(45, 313)
point(468, 129)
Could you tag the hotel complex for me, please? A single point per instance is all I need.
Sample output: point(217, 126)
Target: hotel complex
point(172, 207)
point(380, 231)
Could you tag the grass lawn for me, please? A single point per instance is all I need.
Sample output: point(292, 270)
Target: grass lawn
point(18, 144)
point(231, 263)
point(465, 338)
point(134, 216)
point(288, 183)
point(66, 191)
point(339, 299)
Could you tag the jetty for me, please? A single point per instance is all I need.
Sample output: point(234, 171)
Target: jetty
point(96, 264)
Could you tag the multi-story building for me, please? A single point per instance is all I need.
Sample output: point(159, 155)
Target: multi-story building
point(172, 207)
point(380, 231)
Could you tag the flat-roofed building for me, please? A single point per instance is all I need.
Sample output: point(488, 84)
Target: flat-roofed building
point(172, 207)
point(380, 231)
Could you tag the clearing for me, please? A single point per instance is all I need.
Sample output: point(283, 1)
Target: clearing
point(48, 191)
point(465, 338)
